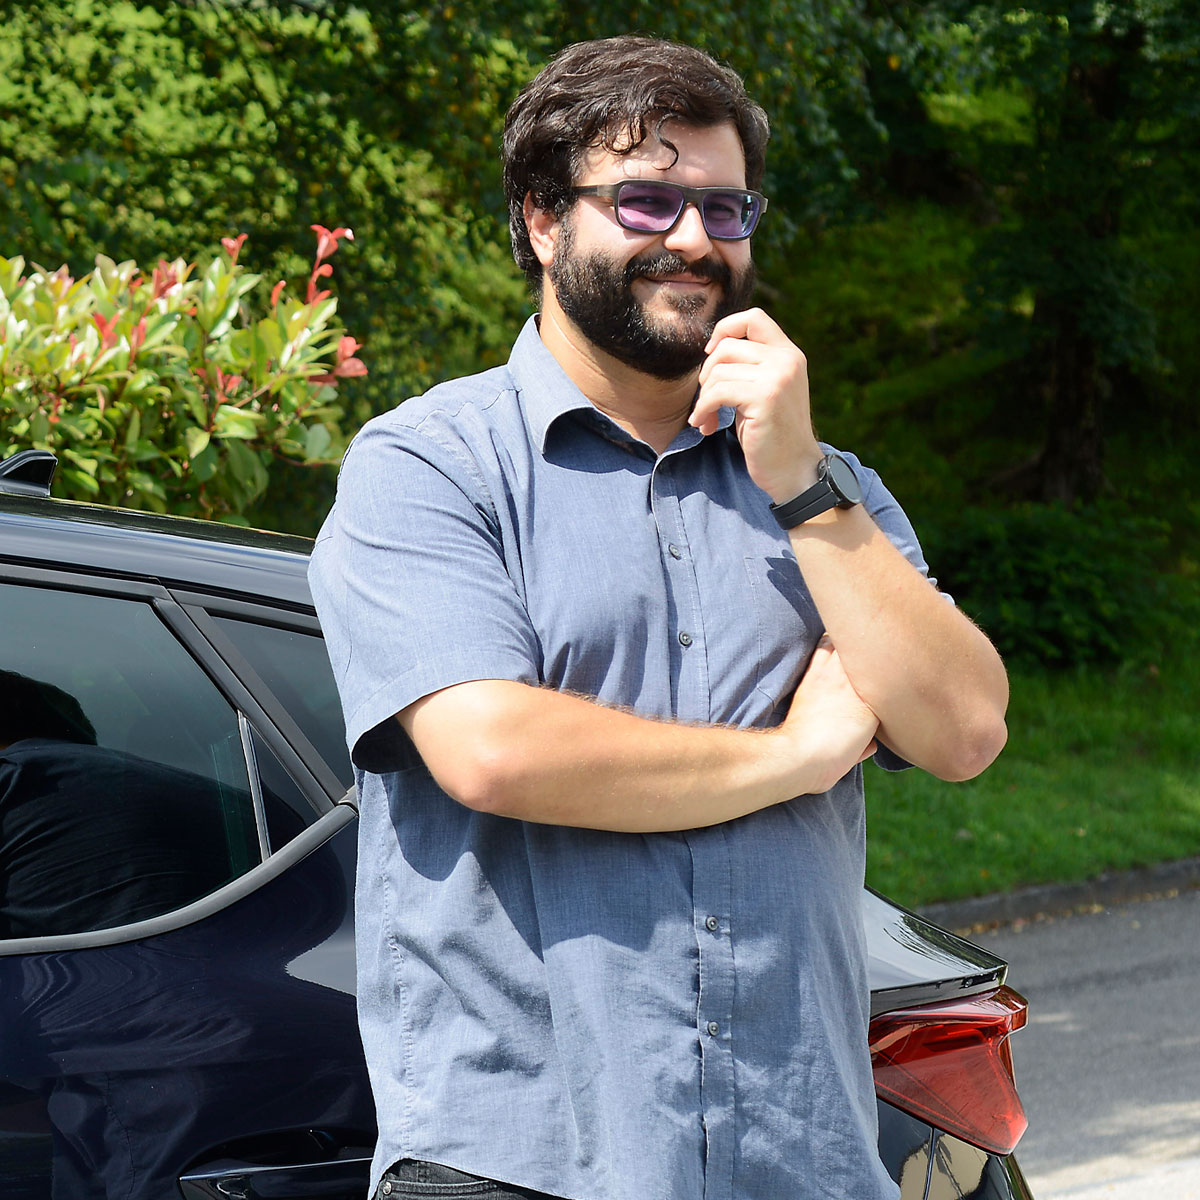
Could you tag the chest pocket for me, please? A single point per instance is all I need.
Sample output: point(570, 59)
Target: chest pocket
point(787, 627)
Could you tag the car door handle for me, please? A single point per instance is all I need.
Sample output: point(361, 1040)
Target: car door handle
point(342, 1179)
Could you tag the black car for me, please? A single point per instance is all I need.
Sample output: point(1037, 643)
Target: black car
point(177, 846)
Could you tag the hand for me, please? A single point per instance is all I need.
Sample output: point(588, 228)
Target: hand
point(754, 368)
point(832, 728)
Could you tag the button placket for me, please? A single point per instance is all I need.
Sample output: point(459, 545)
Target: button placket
point(692, 692)
point(712, 898)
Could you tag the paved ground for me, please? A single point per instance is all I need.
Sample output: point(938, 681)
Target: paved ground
point(1109, 1066)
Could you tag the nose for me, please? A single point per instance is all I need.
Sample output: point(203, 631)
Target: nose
point(689, 235)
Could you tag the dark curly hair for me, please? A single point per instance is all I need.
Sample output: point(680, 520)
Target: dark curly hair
point(614, 93)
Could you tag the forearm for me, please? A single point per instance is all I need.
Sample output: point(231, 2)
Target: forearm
point(539, 755)
point(932, 678)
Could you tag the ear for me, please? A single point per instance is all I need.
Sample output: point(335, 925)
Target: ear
point(543, 229)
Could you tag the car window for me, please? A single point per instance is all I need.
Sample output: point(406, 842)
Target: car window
point(295, 666)
point(286, 810)
point(124, 789)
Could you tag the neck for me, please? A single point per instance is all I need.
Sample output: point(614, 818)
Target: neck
point(652, 410)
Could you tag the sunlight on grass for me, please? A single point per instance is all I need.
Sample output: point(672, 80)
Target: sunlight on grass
point(1101, 773)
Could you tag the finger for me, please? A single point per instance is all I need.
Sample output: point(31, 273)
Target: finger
point(739, 392)
point(707, 410)
point(733, 349)
point(822, 658)
point(752, 324)
point(705, 415)
point(872, 746)
point(743, 373)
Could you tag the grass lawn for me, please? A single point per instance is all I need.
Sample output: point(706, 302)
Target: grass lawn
point(1101, 772)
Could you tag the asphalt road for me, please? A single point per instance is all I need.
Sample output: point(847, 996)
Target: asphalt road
point(1109, 1064)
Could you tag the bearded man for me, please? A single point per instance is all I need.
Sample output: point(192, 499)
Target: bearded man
point(614, 634)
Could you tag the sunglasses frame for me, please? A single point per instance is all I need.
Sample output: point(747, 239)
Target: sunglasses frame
point(691, 195)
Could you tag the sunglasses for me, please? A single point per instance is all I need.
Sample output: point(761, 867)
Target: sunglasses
point(648, 206)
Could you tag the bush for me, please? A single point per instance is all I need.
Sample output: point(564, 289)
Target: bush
point(1054, 586)
point(161, 390)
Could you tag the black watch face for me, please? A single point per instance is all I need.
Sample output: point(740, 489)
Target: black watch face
point(843, 479)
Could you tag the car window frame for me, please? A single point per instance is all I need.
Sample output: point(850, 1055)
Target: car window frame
point(286, 857)
point(200, 609)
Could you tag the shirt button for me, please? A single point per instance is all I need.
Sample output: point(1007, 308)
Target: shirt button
point(713, 1029)
point(674, 551)
point(685, 639)
point(712, 924)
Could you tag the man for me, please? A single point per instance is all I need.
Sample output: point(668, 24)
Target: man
point(609, 713)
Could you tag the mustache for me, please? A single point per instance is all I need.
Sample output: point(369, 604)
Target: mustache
point(661, 263)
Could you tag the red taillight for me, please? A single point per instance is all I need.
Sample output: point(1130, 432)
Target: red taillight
point(950, 1065)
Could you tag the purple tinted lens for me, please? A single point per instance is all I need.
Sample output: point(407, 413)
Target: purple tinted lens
point(652, 207)
point(729, 214)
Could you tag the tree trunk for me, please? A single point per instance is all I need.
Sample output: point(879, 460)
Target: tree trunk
point(1071, 464)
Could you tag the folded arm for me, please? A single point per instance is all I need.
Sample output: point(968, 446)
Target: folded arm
point(551, 757)
point(933, 679)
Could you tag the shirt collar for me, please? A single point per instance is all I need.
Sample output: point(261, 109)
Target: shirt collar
point(547, 393)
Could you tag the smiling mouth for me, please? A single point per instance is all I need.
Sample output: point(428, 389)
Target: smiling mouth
point(684, 281)
point(674, 273)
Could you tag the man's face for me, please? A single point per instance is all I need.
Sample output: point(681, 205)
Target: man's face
point(651, 300)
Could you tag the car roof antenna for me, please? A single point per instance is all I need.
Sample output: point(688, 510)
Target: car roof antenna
point(28, 473)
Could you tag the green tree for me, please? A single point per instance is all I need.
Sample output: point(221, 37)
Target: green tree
point(1103, 146)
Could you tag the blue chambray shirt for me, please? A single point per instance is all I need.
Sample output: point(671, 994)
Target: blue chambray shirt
point(595, 1015)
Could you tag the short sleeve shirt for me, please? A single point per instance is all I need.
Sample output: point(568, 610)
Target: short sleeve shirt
point(594, 1015)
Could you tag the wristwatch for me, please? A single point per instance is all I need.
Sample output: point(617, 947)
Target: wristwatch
point(836, 487)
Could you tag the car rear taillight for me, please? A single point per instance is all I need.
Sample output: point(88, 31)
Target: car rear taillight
point(950, 1065)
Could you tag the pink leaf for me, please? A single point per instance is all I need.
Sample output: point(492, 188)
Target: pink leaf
point(165, 279)
point(327, 239)
point(350, 366)
point(233, 245)
point(136, 338)
point(108, 333)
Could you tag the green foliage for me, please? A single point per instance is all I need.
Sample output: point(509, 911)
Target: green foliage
point(1101, 773)
point(1101, 110)
point(161, 391)
point(1054, 587)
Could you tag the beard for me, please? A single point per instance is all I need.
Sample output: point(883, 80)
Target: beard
point(596, 293)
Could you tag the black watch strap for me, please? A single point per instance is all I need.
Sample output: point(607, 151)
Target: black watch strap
point(821, 497)
point(810, 503)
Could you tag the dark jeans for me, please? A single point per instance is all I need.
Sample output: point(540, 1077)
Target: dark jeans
point(411, 1179)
